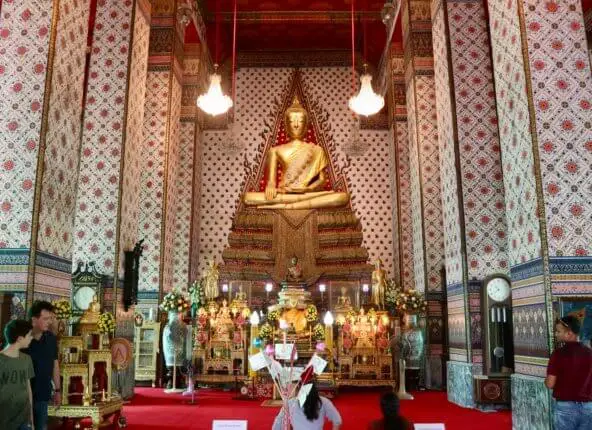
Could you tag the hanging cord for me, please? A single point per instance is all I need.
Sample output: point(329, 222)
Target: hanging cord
point(217, 55)
point(234, 56)
point(353, 38)
point(364, 30)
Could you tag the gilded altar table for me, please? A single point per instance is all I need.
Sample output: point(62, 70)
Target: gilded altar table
point(97, 412)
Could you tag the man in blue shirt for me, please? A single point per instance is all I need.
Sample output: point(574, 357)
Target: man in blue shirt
point(44, 353)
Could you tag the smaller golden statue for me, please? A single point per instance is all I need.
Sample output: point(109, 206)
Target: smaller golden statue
point(344, 301)
point(294, 271)
point(210, 279)
point(91, 315)
point(302, 183)
point(378, 284)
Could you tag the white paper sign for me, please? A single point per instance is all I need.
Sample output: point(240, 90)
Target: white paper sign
point(296, 372)
point(229, 425)
point(275, 369)
point(432, 426)
point(258, 361)
point(318, 364)
point(303, 393)
point(284, 351)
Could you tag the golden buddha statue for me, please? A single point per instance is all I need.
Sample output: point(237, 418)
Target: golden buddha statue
point(210, 280)
point(91, 315)
point(303, 163)
point(378, 284)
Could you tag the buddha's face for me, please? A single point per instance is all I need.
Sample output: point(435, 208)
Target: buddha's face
point(296, 124)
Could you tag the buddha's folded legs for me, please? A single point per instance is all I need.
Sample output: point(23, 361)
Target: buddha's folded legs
point(320, 199)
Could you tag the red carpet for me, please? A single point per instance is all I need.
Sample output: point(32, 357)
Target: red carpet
point(151, 409)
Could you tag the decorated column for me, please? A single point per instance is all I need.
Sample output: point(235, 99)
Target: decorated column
point(426, 204)
point(543, 89)
point(42, 61)
point(472, 185)
point(160, 151)
point(184, 183)
point(109, 186)
point(402, 171)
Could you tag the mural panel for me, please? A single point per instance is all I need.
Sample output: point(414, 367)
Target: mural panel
point(60, 177)
point(562, 93)
point(152, 176)
point(22, 77)
point(102, 138)
point(524, 242)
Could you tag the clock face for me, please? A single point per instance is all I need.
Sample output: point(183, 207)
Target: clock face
point(83, 298)
point(498, 289)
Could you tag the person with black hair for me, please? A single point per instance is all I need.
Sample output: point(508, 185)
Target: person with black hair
point(16, 372)
point(569, 375)
point(44, 353)
point(391, 420)
point(312, 414)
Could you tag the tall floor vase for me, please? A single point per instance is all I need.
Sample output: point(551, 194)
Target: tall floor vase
point(173, 342)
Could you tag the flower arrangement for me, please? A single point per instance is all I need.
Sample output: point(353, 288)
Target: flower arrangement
point(352, 315)
point(311, 314)
point(391, 294)
point(174, 301)
point(411, 301)
point(62, 309)
point(106, 323)
point(197, 294)
point(273, 316)
point(318, 333)
point(266, 331)
point(372, 314)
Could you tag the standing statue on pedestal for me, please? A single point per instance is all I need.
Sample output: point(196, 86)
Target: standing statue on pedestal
point(302, 184)
point(378, 285)
point(210, 278)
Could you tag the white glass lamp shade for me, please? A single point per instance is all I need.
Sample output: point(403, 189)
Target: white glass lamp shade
point(366, 102)
point(225, 288)
point(322, 288)
point(214, 102)
point(268, 287)
point(365, 288)
point(254, 319)
point(328, 320)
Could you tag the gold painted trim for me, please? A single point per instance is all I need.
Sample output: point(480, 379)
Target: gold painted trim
point(135, 6)
point(165, 177)
point(579, 277)
point(41, 154)
point(532, 300)
point(538, 180)
point(399, 208)
point(192, 224)
point(420, 178)
point(527, 282)
point(537, 361)
point(165, 184)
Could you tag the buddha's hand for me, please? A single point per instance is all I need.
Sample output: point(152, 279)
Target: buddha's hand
point(296, 190)
point(270, 192)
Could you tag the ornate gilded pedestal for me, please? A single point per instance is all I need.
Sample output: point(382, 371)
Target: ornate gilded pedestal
point(78, 359)
point(97, 412)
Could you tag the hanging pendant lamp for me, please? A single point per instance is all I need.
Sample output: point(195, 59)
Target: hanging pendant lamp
point(214, 102)
point(366, 102)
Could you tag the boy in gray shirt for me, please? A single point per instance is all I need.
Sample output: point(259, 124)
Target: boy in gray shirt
point(16, 372)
